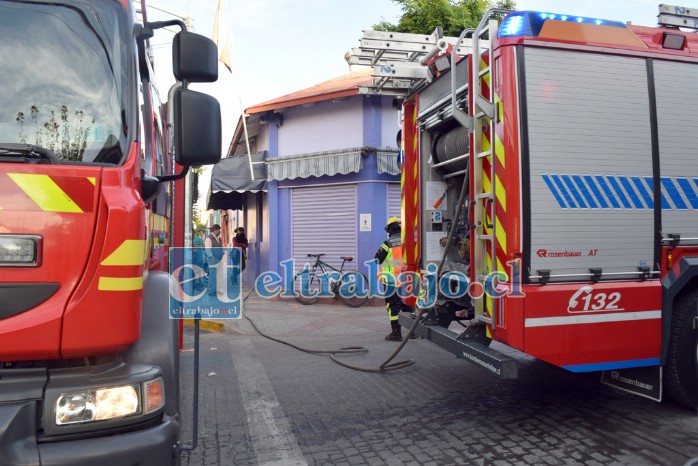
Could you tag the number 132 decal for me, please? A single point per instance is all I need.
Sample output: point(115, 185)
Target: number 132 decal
point(586, 300)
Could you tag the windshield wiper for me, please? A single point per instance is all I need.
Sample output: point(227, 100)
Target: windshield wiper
point(28, 150)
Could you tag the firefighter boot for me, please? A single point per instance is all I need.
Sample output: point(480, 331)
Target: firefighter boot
point(396, 334)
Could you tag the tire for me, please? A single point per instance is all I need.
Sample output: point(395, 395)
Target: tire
point(309, 282)
point(349, 282)
point(681, 371)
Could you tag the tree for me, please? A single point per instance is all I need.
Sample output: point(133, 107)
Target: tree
point(423, 16)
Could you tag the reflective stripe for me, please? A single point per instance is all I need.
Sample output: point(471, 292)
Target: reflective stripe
point(647, 196)
point(120, 284)
point(584, 191)
point(45, 192)
point(573, 189)
point(393, 261)
point(619, 191)
point(597, 194)
point(130, 252)
point(607, 190)
point(673, 193)
point(688, 191)
point(592, 318)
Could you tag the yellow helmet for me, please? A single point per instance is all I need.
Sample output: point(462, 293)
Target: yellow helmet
point(393, 223)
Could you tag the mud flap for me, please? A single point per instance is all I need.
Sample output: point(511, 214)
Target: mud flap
point(642, 381)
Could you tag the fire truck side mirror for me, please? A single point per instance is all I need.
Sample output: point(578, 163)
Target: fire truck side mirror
point(194, 58)
point(197, 120)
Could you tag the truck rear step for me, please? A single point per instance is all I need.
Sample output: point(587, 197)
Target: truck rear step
point(481, 355)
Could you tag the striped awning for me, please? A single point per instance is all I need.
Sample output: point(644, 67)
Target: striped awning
point(328, 163)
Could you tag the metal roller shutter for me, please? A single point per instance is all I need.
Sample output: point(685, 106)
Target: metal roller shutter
point(589, 132)
point(393, 200)
point(324, 221)
point(677, 101)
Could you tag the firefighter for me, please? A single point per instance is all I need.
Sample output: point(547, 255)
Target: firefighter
point(389, 256)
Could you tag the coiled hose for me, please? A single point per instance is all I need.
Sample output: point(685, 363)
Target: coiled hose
point(387, 365)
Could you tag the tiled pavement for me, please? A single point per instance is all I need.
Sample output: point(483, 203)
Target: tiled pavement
point(265, 403)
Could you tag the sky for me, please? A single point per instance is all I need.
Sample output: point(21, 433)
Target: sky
point(282, 46)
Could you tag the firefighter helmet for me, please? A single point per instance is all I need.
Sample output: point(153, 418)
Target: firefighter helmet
point(393, 224)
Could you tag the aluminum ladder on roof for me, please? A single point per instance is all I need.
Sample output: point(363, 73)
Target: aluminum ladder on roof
point(677, 16)
point(397, 59)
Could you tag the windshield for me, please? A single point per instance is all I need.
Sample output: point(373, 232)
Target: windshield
point(63, 77)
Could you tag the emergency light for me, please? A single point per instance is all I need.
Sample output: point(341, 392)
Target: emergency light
point(529, 23)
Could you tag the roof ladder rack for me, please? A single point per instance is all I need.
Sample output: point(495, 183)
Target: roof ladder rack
point(396, 58)
point(673, 16)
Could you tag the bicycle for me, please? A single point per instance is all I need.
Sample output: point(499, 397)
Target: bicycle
point(351, 287)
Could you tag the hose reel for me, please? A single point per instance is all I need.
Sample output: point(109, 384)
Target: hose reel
point(449, 145)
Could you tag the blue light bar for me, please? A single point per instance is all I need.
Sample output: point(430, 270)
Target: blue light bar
point(529, 23)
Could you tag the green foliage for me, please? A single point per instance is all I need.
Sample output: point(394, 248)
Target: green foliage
point(65, 133)
point(424, 16)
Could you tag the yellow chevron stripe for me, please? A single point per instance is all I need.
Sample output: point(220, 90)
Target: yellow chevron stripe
point(92, 180)
point(499, 150)
point(501, 236)
point(130, 252)
point(486, 184)
point(45, 192)
point(485, 144)
point(120, 284)
point(486, 76)
point(500, 266)
point(500, 192)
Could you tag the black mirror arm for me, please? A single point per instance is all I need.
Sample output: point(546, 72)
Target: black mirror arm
point(178, 176)
point(171, 22)
point(146, 31)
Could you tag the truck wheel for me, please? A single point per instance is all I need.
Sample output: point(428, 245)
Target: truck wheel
point(681, 371)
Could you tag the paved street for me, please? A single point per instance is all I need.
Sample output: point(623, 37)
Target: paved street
point(265, 403)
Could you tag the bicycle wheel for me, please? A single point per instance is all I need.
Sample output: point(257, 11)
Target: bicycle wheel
point(306, 285)
point(353, 289)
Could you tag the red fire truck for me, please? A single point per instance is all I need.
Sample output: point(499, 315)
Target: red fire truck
point(88, 356)
point(551, 175)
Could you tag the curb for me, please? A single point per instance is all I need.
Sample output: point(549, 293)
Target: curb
point(209, 325)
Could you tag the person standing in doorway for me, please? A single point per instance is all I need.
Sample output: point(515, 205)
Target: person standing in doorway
point(389, 256)
point(240, 241)
point(214, 254)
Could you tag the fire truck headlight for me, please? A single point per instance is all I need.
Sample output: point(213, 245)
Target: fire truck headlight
point(20, 250)
point(97, 405)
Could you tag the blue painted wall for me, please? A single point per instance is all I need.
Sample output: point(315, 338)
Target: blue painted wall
point(370, 122)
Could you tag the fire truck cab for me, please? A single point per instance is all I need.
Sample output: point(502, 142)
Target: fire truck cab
point(89, 359)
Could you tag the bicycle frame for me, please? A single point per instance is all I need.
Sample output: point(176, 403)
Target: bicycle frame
point(329, 279)
point(326, 276)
